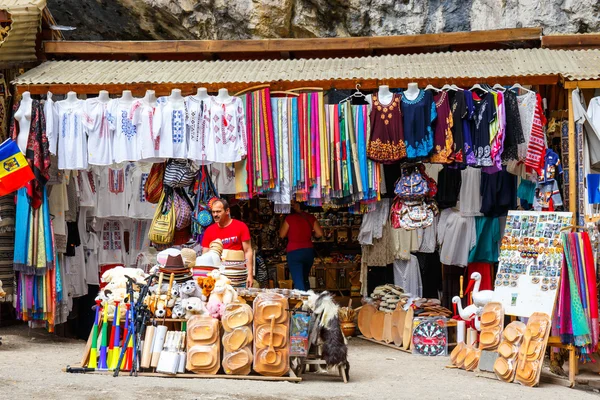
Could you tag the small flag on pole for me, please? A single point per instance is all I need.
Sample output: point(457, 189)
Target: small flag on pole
point(15, 172)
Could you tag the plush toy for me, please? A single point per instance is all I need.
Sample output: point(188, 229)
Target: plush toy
point(190, 289)
point(162, 308)
point(2, 292)
point(193, 306)
point(154, 288)
point(176, 290)
point(207, 284)
point(178, 311)
point(222, 294)
point(118, 273)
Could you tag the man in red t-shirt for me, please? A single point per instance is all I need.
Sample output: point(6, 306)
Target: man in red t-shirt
point(234, 234)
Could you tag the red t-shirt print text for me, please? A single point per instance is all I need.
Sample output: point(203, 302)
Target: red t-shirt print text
point(232, 235)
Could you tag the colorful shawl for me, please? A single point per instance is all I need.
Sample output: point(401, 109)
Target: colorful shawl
point(573, 324)
point(38, 150)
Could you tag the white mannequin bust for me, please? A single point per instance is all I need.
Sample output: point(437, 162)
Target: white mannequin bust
point(412, 92)
point(223, 95)
point(202, 93)
point(23, 116)
point(150, 97)
point(103, 96)
point(175, 96)
point(126, 96)
point(383, 94)
point(71, 97)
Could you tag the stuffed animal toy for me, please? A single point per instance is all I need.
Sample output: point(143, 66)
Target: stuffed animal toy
point(163, 288)
point(162, 308)
point(118, 273)
point(221, 295)
point(190, 289)
point(207, 284)
point(193, 306)
point(2, 292)
point(176, 290)
point(178, 311)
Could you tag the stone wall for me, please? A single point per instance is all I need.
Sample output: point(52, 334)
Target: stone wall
point(245, 19)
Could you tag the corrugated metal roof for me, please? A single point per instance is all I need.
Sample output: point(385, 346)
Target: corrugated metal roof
point(26, 16)
point(576, 65)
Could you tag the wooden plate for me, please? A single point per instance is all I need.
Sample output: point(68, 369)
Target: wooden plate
point(398, 319)
point(364, 320)
point(408, 329)
point(377, 325)
point(387, 328)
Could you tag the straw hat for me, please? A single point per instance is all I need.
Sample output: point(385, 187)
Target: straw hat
point(188, 255)
point(217, 246)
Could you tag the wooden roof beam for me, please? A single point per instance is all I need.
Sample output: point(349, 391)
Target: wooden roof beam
point(575, 41)
point(505, 36)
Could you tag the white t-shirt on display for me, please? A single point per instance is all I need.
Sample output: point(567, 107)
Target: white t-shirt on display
point(112, 199)
point(139, 208)
point(226, 136)
point(72, 138)
point(100, 137)
point(223, 176)
point(169, 123)
point(125, 147)
point(198, 122)
point(148, 139)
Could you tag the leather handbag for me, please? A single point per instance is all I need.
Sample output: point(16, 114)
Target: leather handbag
point(153, 187)
point(162, 229)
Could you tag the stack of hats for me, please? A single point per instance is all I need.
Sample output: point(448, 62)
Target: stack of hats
point(189, 257)
point(210, 260)
point(175, 265)
point(234, 267)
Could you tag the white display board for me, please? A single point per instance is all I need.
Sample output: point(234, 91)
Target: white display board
point(530, 262)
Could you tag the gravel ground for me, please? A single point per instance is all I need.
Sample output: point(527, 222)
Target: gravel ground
point(31, 363)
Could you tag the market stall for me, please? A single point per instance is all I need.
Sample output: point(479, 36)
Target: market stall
point(413, 173)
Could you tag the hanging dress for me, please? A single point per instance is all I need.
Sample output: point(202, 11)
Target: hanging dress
point(485, 114)
point(443, 142)
point(418, 115)
point(459, 112)
point(386, 144)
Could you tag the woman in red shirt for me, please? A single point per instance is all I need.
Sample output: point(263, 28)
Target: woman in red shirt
point(299, 227)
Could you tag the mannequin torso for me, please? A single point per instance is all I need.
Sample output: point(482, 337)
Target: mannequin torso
point(103, 96)
point(202, 94)
point(126, 97)
point(150, 97)
point(223, 96)
point(384, 95)
point(175, 98)
point(23, 116)
point(412, 92)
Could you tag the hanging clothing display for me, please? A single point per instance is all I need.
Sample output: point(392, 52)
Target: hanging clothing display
point(407, 275)
point(514, 132)
point(484, 116)
point(198, 123)
point(135, 195)
point(170, 126)
point(100, 135)
point(142, 116)
point(419, 115)
point(443, 140)
point(458, 109)
point(71, 135)
point(470, 192)
point(112, 198)
point(226, 138)
point(37, 150)
point(386, 144)
point(456, 237)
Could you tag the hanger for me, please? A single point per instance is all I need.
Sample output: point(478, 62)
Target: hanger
point(357, 94)
point(447, 87)
point(286, 92)
point(430, 86)
point(499, 87)
point(478, 86)
point(252, 88)
point(518, 86)
point(454, 87)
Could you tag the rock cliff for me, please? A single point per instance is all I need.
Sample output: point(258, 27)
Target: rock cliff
point(245, 19)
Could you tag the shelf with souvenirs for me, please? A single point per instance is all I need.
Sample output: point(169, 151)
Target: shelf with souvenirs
point(204, 325)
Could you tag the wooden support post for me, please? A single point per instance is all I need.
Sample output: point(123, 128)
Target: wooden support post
point(572, 159)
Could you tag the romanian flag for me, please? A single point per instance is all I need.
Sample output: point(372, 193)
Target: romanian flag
point(15, 172)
